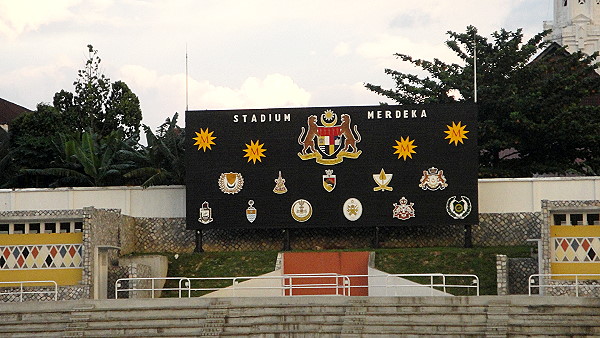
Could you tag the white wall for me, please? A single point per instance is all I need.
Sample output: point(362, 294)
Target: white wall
point(525, 194)
point(163, 201)
point(495, 196)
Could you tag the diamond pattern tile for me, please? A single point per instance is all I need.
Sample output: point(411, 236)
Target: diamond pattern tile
point(576, 249)
point(18, 257)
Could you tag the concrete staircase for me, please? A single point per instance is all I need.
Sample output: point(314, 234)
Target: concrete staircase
point(325, 316)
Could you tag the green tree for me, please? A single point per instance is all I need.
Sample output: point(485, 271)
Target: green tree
point(4, 159)
point(531, 117)
point(31, 146)
point(161, 162)
point(99, 106)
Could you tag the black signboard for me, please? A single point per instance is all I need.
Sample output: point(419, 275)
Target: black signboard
point(362, 166)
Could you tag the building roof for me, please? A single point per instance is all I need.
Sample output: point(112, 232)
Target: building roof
point(555, 50)
point(9, 110)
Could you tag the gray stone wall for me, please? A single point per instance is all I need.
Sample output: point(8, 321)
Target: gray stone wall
point(512, 275)
point(163, 235)
point(114, 273)
point(493, 230)
point(130, 271)
point(519, 270)
point(507, 229)
point(128, 234)
point(583, 288)
point(170, 235)
point(40, 294)
point(100, 228)
point(41, 213)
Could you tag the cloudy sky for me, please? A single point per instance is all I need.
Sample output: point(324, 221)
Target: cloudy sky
point(241, 53)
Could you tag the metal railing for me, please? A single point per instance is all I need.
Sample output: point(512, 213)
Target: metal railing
point(437, 280)
point(30, 283)
point(576, 279)
point(120, 285)
point(185, 284)
point(340, 283)
point(295, 284)
point(432, 281)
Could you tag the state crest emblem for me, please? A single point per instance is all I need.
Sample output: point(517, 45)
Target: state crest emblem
point(382, 179)
point(280, 185)
point(433, 179)
point(333, 141)
point(301, 210)
point(352, 209)
point(251, 211)
point(205, 214)
point(458, 209)
point(403, 210)
point(231, 183)
point(329, 180)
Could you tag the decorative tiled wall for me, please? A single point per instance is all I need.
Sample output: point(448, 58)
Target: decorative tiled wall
point(51, 256)
point(548, 244)
point(575, 254)
point(576, 250)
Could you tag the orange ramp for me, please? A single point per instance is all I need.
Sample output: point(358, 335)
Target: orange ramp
point(317, 263)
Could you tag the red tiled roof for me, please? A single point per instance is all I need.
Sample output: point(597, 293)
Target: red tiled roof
point(593, 100)
point(9, 110)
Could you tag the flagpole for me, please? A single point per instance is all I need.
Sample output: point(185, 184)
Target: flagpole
point(475, 66)
point(186, 78)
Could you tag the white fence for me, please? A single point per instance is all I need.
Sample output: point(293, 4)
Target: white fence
point(495, 196)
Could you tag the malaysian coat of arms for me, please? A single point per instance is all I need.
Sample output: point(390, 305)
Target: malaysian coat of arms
point(328, 142)
point(433, 179)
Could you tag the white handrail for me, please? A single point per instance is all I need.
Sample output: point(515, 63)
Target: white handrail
point(21, 292)
point(566, 277)
point(342, 285)
point(118, 285)
point(432, 284)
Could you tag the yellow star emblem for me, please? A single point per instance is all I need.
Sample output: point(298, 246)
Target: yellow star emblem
point(204, 139)
point(254, 151)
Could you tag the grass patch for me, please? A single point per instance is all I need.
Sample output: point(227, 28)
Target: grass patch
point(222, 264)
point(218, 264)
point(478, 261)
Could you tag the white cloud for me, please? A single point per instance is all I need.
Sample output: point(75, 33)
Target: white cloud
point(382, 51)
point(275, 90)
point(315, 52)
point(342, 49)
point(154, 90)
point(19, 16)
point(30, 85)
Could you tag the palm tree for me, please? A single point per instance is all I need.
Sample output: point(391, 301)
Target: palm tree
point(88, 161)
point(161, 162)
